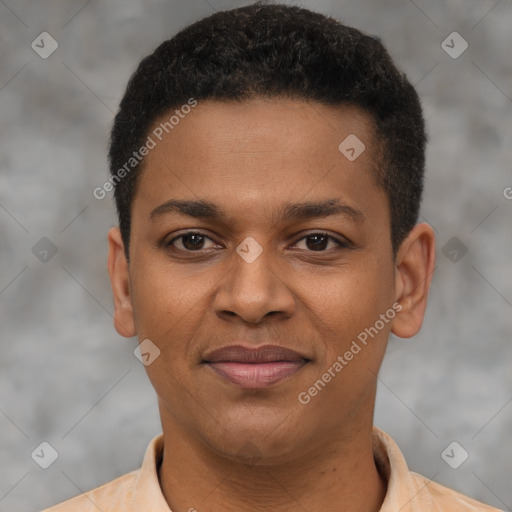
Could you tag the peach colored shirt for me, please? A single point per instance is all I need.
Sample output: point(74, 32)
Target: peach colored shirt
point(407, 491)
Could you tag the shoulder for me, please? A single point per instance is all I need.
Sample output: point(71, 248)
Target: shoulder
point(434, 496)
point(113, 496)
point(408, 491)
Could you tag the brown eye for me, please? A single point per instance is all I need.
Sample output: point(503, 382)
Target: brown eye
point(191, 241)
point(318, 242)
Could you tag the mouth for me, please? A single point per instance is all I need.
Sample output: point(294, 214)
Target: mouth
point(255, 368)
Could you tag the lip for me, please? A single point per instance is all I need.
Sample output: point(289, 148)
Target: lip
point(255, 368)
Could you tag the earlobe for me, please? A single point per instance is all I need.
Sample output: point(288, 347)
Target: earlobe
point(119, 280)
point(415, 263)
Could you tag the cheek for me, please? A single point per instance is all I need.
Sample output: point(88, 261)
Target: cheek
point(352, 303)
point(167, 311)
point(354, 337)
point(358, 293)
point(170, 305)
point(159, 299)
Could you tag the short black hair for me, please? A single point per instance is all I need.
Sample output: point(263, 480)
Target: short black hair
point(276, 50)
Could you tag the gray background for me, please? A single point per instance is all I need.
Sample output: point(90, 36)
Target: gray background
point(66, 376)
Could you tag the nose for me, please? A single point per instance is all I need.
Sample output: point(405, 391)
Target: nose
point(253, 290)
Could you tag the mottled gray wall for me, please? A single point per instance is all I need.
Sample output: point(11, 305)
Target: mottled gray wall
point(66, 376)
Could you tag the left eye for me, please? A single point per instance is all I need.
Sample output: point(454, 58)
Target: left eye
point(317, 242)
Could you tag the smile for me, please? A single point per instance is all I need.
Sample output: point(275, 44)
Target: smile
point(256, 375)
point(255, 368)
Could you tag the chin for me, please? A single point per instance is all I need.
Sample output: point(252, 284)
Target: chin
point(258, 443)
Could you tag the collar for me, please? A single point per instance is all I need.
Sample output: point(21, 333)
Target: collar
point(147, 494)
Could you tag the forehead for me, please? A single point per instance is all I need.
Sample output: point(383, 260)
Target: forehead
point(262, 152)
point(261, 125)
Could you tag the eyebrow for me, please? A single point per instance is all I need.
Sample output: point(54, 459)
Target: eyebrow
point(291, 211)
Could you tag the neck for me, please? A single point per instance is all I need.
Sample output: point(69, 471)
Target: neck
point(340, 473)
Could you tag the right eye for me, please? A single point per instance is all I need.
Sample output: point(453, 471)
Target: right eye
point(191, 241)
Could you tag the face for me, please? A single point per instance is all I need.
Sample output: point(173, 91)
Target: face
point(251, 228)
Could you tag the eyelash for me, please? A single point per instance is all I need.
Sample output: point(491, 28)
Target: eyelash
point(341, 244)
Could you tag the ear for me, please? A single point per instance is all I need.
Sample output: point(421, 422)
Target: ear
point(119, 280)
point(415, 263)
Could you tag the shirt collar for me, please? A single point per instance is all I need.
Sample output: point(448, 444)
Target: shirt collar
point(401, 491)
point(147, 494)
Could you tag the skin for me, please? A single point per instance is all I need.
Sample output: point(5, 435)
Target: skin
point(225, 447)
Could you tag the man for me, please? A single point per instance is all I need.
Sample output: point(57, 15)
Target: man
point(268, 168)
